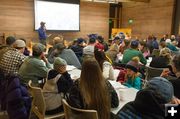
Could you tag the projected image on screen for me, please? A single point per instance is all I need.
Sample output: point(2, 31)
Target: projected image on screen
point(56, 15)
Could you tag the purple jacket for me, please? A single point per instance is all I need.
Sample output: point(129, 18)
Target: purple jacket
point(17, 99)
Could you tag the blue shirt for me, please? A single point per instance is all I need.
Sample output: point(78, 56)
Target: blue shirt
point(155, 44)
point(42, 33)
point(134, 83)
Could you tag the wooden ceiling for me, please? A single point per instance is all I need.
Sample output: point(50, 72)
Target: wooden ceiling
point(116, 1)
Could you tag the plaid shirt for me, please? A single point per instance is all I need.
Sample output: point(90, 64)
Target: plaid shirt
point(11, 61)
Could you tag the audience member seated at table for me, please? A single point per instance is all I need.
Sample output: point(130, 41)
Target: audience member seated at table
point(133, 52)
point(72, 43)
point(78, 49)
point(91, 91)
point(11, 58)
point(176, 69)
point(104, 64)
point(10, 41)
point(165, 36)
point(162, 44)
point(101, 41)
point(173, 38)
point(112, 53)
point(163, 60)
point(35, 67)
point(99, 44)
point(59, 50)
point(56, 40)
point(132, 78)
point(170, 45)
point(117, 42)
point(175, 43)
point(26, 51)
point(125, 45)
point(144, 49)
point(152, 43)
point(20, 46)
point(150, 101)
point(57, 84)
point(89, 49)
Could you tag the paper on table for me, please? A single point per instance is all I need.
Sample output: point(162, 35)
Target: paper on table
point(70, 67)
point(117, 85)
point(75, 74)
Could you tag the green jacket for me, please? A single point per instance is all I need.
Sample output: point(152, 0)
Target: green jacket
point(130, 53)
point(33, 69)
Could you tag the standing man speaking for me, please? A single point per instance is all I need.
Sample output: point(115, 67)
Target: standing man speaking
point(42, 33)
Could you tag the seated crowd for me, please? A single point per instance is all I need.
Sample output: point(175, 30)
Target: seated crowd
point(93, 89)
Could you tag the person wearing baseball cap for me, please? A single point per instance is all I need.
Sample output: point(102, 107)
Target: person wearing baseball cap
point(20, 45)
point(35, 67)
point(42, 33)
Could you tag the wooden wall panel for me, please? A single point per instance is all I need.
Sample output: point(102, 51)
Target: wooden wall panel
point(154, 17)
point(17, 16)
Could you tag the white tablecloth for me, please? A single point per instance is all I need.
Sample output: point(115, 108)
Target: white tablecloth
point(125, 95)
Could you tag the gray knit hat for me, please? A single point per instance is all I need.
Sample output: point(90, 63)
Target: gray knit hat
point(59, 62)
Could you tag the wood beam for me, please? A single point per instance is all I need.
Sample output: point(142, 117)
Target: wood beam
point(146, 1)
point(118, 0)
point(141, 0)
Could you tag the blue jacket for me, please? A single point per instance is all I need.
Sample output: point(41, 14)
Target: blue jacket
point(42, 34)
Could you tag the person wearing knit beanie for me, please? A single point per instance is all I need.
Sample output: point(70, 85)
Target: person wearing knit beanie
point(132, 75)
point(58, 82)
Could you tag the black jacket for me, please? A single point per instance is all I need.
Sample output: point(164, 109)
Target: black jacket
point(64, 83)
point(176, 86)
point(159, 62)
